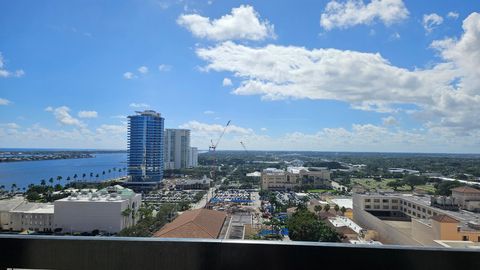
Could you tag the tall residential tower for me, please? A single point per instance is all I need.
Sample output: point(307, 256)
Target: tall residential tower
point(177, 148)
point(145, 148)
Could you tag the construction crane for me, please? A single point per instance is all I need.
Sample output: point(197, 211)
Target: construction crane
point(244, 147)
point(213, 147)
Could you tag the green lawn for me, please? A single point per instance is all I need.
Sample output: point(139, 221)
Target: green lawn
point(318, 190)
point(369, 183)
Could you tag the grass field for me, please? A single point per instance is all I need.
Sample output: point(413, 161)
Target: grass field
point(371, 184)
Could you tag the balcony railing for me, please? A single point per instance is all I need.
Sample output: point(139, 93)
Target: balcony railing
point(63, 252)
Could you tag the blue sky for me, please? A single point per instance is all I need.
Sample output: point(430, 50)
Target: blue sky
point(291, 75)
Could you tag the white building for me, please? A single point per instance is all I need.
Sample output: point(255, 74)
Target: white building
point(17, 214)
point(193, 162)
point(177, 149)
point(110, 210)
point(276, 179)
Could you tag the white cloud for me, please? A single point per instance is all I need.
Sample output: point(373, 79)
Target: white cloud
point(49, 109)
point(243, 23)
point(62, 114)
point(112, 129)
point(4, 101)
point(214, 129)
point(453, 15)
point(354, 12)
point(263, 129)
point(87, 114)
point(129, 75)
point(226, 82)
point(389, 121)
point(445, 94)
point(10, 125)
point(431, 21)
point(208, 112)
point(139, 105)
point(4, 73)
point(143, 69)
point(164, 67)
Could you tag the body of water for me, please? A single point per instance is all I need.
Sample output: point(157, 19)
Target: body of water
point(23, 173)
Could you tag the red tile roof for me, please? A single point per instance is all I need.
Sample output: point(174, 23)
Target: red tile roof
point(444, 219)
point(465, 189)
point(200, 223)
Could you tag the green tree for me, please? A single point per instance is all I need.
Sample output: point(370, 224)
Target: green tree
point(414, 180)
point(326, 207)
point(33, 196)
point(444, 187)
point(43, 182)
point(50, 180)
point(75, 177)
point(317, 209)
point(336, 208)
point(395, 184)
point(343, 210)
point(59, 178)
point(83, 176)
point(303, 226)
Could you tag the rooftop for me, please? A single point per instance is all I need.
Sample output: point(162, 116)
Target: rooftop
point(199, 223)
point(444, 219)
point(466, 189)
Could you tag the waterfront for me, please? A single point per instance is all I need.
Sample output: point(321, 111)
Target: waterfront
point(32, 172)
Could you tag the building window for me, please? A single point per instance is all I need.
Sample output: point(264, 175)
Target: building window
point(404, 203)
point(385, 200)
point(465, 238)
point(367, 206)
point(429, 212)
point(394, 207)
point(409, 205)
point(376, 207)
point(394, 201)
point(367, 200)
point(385, 207)
point(376, 200)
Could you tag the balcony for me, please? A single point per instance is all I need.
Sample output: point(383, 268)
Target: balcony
point(62, 252)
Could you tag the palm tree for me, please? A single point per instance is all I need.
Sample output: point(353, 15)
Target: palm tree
point(97, 176)
point(336, 207)
point(43, 182)
point(75, 177)
point(68, 178)
point(326, 207)
point(59, 178)
point(50, 180)
point(103, 174)
point(83, 176)
point(14, 187)
point(343, 210)
point(91, 175)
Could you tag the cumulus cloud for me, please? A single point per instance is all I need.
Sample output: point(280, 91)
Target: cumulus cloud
point(354, 12)
point(263, 129)
point(139, 105)
point(453, 15)
point(4, 73)
point(164, 68)
point(208, 112)
point(389, 121)
point(431, 21)
point(87, 114)
point(62, 114)
point(446, 94)
point(129, 75)
point(143, 69)
point(226, 82)
point(214, 129)
point(4, 101)
point(243, 23)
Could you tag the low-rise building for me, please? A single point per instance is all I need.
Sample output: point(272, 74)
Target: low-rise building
point(204, 183)
point(17, 214)
point(277, 179)
point(411, 220)
point(467, 198)
point(110, 210)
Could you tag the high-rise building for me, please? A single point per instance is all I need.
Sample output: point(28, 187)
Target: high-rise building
point(177, 148)
point(145, 148)
point(193, 157)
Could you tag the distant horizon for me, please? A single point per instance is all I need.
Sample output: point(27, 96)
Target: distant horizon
point(237, 150)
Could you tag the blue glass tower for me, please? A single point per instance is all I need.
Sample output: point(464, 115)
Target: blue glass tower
point(145, 148)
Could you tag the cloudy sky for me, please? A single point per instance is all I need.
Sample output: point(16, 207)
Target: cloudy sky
point(346, 75)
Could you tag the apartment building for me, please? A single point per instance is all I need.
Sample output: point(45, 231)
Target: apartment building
point(277, 179)
point(17, 214)
point(145, 148)
point(412, 220)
